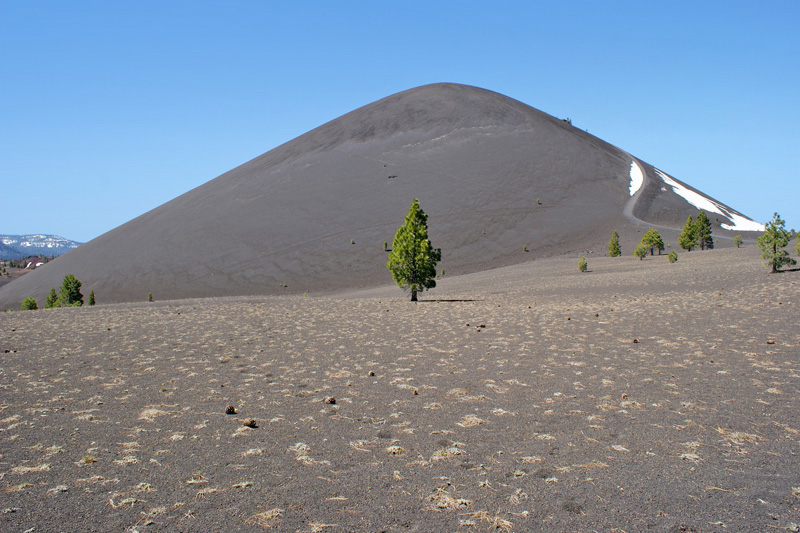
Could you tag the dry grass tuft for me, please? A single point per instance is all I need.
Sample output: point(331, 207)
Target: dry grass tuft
point(493, 522)
point(127, 460)
point(44, 467)
point(203, 494)
point(592, 464)
point(253, 451)
point(442, 500)
point(150, 413)
point(447, 452)
point(360, 445)
point(470, 421)
point(18, 488)
point(266, 519)
point(318, 528)
point(739, 437)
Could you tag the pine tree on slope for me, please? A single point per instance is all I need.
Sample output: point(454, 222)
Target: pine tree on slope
point(688, 237)
point(703, 231)
point(614, 249)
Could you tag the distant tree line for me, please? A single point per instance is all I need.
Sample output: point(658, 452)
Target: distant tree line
point(22, 263)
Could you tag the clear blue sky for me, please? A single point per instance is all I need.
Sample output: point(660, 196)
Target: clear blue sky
point(109, 109)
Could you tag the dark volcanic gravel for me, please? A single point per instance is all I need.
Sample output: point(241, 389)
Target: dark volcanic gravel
point(515, 399)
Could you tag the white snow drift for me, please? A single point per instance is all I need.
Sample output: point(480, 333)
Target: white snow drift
point(637, 177)
point(739, 221)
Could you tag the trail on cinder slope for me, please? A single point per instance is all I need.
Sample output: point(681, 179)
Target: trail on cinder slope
point(311, 215)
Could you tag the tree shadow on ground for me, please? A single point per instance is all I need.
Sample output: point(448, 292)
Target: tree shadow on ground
point(447, 300)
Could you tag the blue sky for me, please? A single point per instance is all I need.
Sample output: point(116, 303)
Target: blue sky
point(109, 109)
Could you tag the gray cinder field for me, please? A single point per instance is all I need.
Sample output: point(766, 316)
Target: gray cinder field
point(640, 395)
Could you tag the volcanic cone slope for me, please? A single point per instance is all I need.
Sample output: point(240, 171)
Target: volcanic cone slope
point(493, 174)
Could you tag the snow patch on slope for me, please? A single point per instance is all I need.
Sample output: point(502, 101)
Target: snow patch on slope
point(637, 178)
point(738, 221)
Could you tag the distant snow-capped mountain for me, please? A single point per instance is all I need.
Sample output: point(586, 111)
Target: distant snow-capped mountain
point(19, 246)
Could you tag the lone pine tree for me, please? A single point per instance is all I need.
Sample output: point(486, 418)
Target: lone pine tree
point(413, 259)
point(773, 242)
point(614, 249)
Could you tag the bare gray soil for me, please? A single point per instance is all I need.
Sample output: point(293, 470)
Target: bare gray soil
point(637, 396)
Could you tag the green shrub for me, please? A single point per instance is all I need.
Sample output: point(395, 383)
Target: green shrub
point(582, 265)
point(29, 304)
point(673, 256)
point(737, 241)
point(640, 251)
point(91, 298)
point(149, 296)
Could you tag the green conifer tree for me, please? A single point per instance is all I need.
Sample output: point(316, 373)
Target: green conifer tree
point(90, 301)
point(52, 299)
point(688, 237)
point(582, 264)
point(614, 249)
point(70, 295)
point(773, 242)
point(703, 231)
point(640, 251)
point(738, 241)
point(652, 240)
point(413, 259)
point(29, 304)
